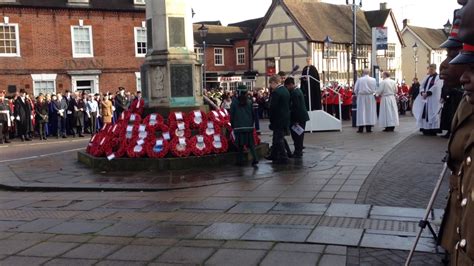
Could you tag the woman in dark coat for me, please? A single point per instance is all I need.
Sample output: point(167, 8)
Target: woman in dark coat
point(242, 120)
point(42, 117)
point(22, 114)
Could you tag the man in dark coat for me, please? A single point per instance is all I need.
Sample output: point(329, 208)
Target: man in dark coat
point(298, 116)
point(279, 119)
point(5, 120)
point(79, 108)
point(22, 115)
point(315, 85)
point(71, 102)
point(59, 106)
point(121, 102)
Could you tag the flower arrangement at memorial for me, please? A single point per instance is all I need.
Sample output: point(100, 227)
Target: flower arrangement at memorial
point(181, 135)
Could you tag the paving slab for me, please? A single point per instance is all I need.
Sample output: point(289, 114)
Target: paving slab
point(236, 257)
point(300, 208)
point(283, 258)
point(306, 248)
point(332, 260)
point(171, 231)
point(48, 249)
point(125, 229)
point(137, 253)
point(401, 214)
point(224, 231)
point(236, 244)
point(397, 242)
point(69, 262)
point(38, 225)
point(78, 228)
point(20, 260)
point(186, 255)
point(348, 210)
point(121, 263)
point(252, 207)
point(91, 251)
point(277, 233)
point(336, 236)
point(9, 247)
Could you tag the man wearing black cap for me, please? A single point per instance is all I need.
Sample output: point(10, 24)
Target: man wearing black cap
point(22, 115)
point(452, 90)
point(457, 231)
point(121, 102)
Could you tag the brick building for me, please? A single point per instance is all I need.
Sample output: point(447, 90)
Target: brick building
point(228, 55)
point(52, 45)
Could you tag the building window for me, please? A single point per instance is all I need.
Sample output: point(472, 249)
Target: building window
point(82, 41)
point(241, 56)
point(390, 52)
point(44, 83)
point(9, 40)
point(140, 42)
point(218, 56)
point(200, 54)
point(139, 2)
point(138, 78)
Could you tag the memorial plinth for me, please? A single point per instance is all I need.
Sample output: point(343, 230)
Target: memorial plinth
point(171, 74)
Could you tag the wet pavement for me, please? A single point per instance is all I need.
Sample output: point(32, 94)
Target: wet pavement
point(302, 214)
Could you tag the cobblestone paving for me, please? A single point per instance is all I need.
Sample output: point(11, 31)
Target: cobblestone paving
point(404, 177)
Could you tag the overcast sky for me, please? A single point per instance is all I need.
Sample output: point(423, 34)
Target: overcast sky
point(426, 13)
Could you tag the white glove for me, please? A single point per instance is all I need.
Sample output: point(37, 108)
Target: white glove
point(12, 118)
point(18, 118)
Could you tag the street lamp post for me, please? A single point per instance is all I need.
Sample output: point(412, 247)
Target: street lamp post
point(415, 57)
point(327, 47)
point(354, 8)
point(447, 27)
point(203, 33)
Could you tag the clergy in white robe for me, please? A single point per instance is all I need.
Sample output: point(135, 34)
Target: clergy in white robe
point(388, 116)
point(365, 89)
point(427, 106)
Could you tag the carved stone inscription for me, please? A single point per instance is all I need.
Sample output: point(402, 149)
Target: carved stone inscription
point(176, 32)
point(181, 80)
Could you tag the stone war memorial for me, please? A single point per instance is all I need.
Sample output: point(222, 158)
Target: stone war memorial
point(175, 130)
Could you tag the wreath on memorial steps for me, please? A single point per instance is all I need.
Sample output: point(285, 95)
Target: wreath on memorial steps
point(219, 144)
point(153, 119)
point(157, 147)
point(197, 119)
point(211, 128)
point(180, 147)
point(136, 148)
point(200, 145)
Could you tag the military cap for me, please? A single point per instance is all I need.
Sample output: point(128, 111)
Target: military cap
point(453, 40)
point(465, 56)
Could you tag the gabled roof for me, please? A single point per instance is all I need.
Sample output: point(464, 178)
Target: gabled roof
point(112, 5)
point(334, 21)
point(251, 24)
point(377, 18)
point(431, 37)
point(221, 35)
point(214, 22)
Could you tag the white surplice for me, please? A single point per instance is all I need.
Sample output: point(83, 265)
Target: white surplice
point(388, 116)
point(365, 88)
point(430, 106)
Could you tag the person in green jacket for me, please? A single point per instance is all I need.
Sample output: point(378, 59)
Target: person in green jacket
point(298, 116)
point(241, 119)
point(279, 120)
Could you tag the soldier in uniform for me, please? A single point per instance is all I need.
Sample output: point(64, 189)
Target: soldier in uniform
point(457, 232)
point(5, 121)
point(298, 115)
point(279, 120)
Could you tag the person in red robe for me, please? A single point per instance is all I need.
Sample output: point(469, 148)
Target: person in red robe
point(138, 104)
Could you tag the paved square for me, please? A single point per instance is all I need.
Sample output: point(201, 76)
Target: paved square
point(348, 210)
point(236, 257)
point(137, 253)
point(277, 233)
point(225, 231)
point(91, 251)
point(284, 258)
point(48, 249)
point(336, 236)
point(300, 208)
point(252, 207)
point(186, 255)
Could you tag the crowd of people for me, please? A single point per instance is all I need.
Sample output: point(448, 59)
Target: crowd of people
point(62, 115)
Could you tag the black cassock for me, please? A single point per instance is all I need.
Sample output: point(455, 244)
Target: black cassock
point(452, 98)
point(315, 88)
